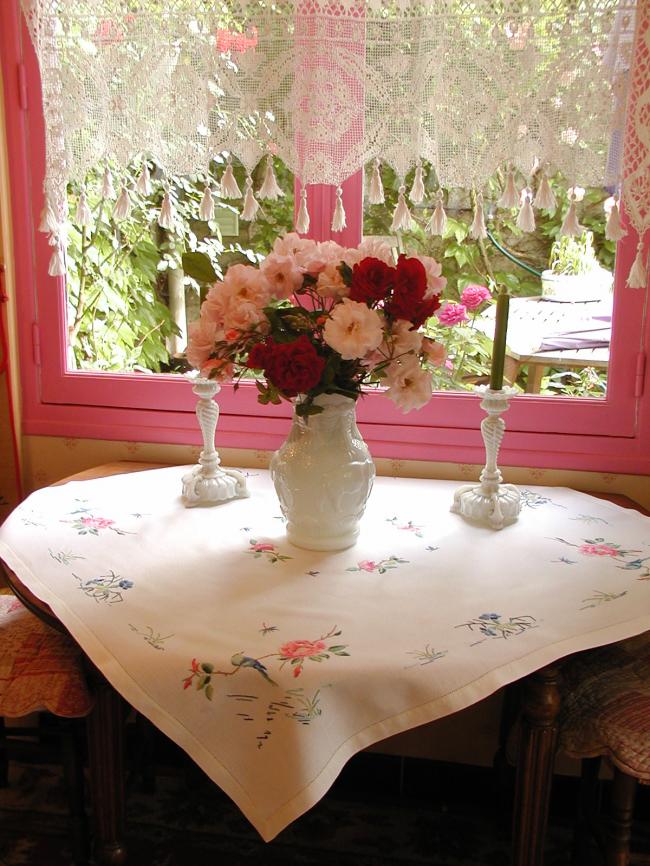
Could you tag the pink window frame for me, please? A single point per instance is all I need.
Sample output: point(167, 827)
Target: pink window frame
point(611, 435)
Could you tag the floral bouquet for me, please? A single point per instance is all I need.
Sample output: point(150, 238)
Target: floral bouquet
point(317, 318)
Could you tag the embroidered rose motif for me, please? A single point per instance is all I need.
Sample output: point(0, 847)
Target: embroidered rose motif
point(380, 566)
point(266, 550)
point(598, 550)
point(301, 648)
point(97, 522)
point(367, 565)
point(297, 652)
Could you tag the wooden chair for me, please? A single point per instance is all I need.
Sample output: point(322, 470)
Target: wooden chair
point(41, 671)
point(606, 714)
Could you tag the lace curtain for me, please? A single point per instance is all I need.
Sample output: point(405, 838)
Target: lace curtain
point(530, 87)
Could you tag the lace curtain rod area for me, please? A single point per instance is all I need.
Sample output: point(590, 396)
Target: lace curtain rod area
point(529, 88)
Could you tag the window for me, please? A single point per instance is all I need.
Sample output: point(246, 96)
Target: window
point(590, 433)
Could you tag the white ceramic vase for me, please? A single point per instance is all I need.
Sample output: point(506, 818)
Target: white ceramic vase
point(323, 475)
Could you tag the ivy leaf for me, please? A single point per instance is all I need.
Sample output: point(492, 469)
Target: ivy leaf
point(199, 267)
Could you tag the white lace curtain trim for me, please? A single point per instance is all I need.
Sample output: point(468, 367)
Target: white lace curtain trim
point(469, 87)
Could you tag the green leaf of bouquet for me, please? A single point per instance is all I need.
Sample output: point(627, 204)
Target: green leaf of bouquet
point(207, 667)
point(337, 649)
point(199, 267)
point(209, 691)
point(303, 410)
point(346, 273)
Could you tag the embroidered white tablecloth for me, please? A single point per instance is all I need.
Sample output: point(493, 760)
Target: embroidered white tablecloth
point(273, 665)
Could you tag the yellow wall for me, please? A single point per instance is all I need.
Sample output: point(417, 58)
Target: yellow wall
point(48, 459)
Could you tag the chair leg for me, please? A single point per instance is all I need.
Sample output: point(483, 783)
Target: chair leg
point(588, 809)
point(145, 758)
point(4, 760)
point(74, 779)
point(619, 829)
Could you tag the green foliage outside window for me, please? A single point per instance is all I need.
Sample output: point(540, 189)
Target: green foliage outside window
point(118, 272)
point(508, 258)
point(117, 281)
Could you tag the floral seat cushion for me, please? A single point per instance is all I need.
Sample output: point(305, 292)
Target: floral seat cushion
point(606, 707)
point(40, 669)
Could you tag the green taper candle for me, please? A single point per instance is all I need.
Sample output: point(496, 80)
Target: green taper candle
point(499, 344)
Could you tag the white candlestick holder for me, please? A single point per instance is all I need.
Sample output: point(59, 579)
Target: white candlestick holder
point(208, 483)
point(490, 503)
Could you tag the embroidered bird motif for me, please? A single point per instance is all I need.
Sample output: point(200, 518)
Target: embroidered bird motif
point(239, 660)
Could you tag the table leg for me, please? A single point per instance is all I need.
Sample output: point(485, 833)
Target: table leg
point(534, 381)
point(106, 772)
point(541, 706)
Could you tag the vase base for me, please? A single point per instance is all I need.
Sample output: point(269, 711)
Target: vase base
point(322, 542)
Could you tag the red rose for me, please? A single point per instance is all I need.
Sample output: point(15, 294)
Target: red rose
point(295, 367)
point(408, 301)
point(257, 356)
point(372, 280)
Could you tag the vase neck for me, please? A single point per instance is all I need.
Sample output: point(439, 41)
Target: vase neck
point(331, 403)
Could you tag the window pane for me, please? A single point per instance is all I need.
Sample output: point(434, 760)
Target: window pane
point(133, 285)
point(561, 287)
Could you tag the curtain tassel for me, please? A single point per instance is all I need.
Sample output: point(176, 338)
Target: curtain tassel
point(251, 206)
point(376, 188)
point(302, 219)
point(571, 228)
point(438, 222)
point(270, 188)
point(545, 198)
point(206, 208)
point(638, 276)
point(526, 216)
point(614, 230)
point(122, 208)
point(144, 181)
point(229, 185)
point(510, 196)
point(477, 230)
point(83, 216)
point(402, 216)
point(417, 190)
point(49, 222)
point(338, 219)
point(56, 266)
point(108, 190)
point(167, 216)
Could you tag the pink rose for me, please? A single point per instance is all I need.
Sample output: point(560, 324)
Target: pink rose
point(435, 281)
point(435, 352)
point(200, 345)
point(262, 545)
point(97, 522)
point(218, 369)
point(283, 274)
point(598, 550)
point(301, 649)
point(473, 296)
point(452, 314)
